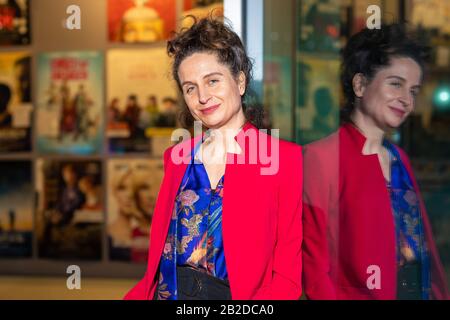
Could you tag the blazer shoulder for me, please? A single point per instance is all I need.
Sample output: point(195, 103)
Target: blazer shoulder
point(322, 156)
point(323, 148)
point(291, 156)
point(285, 147)
point(325, 144)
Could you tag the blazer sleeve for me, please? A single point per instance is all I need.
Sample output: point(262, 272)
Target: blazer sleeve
point(316, 208)
point(141, 291)
point(287, 258)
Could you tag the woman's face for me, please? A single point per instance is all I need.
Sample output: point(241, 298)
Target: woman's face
point(212, 94)
point(145, 197)
point(124, 194)
point(389, 98)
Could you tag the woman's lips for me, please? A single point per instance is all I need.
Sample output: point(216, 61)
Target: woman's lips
point(398, 112)
point(210, 110)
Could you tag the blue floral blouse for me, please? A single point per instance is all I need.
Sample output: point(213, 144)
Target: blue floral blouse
point(195, 232)
point(411, 245)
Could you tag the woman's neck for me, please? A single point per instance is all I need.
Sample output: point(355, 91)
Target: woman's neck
point(234, 125)
point(374, 135)
point(230, 129)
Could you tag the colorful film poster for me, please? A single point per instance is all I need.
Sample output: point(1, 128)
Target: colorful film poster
point(14, 22)
point(69, 219)
point(133, 187)
point(15, 102)
point(16, 209)
point(142, 101)
point(141, 21)
point(70, 103)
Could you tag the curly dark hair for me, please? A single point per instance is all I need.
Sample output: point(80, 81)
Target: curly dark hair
point(370, 50)
point(212, 35)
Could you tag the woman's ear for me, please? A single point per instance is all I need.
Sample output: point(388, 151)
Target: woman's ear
point(242, 83)
point(359, 84)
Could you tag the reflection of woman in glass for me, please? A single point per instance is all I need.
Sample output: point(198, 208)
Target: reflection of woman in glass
point(223, 227)
point(366, 230)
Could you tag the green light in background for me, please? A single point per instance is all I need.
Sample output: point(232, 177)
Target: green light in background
point(441, 97)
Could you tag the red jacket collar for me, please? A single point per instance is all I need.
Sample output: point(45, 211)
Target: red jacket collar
point(239, 138)
point(354, 136)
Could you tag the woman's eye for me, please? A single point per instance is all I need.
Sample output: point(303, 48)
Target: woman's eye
point(396, 84)
point(189, 90)
point(213, 81)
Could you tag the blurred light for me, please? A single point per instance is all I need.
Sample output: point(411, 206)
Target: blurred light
point(441, 97)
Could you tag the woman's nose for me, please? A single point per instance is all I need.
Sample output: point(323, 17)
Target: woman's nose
point(407, 98)
point(203, 95)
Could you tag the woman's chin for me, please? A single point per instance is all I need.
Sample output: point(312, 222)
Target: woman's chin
point(211, 123)
point(394, 122)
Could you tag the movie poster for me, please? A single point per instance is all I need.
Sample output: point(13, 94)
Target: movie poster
point(133, 187)
point(16, 209)
point(318, 103)
point(70, 103)
point(142, 101)
point(201, 9)
point(14, 22)
point(70, 209)
point(432, 14)
point(15, 102)
point(141, 21)
point(319, 26)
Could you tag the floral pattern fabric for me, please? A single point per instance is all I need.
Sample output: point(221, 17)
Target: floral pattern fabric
point(411, 246)
point(195, 232)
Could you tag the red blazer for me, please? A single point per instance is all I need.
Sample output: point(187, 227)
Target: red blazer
point(348, 224)
point(261, 220)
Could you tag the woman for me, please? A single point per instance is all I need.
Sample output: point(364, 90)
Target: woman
point(224, 227)
point(128, 230)
point(366, 231)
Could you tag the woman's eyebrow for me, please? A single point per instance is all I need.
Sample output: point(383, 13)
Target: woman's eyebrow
point(186, 82)
point(396, 77)
point(212, 74)
point(404, 80)
point(204, 77)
